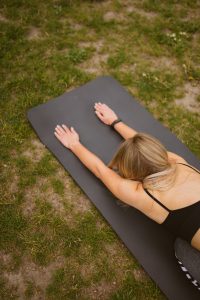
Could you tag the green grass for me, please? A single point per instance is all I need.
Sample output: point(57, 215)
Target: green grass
point(132, 289)
point(12, 225)
point(58, 284)
point(39, 216)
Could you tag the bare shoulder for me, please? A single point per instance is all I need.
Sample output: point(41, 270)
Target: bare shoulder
point(175, 157)
point(144, 203)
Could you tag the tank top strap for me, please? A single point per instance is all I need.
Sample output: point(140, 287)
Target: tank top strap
point(190, 167)
point(157, 200)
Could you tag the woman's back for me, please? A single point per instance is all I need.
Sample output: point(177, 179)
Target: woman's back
point(181, 201)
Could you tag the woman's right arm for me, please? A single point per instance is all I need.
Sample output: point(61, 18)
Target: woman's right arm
point(107, 116)
point(124, 130)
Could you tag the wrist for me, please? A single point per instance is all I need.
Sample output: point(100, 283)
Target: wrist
point(116, 121)
point(112, 120)
point(74, 146)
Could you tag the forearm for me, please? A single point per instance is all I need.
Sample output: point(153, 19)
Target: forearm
point(89, 159)
point(124, 130)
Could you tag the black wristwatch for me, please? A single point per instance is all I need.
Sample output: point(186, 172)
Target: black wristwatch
point(115, 122)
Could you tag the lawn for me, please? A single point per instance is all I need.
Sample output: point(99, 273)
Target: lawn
point(54, 244)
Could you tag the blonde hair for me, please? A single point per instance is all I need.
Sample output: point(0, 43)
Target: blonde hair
point(144, 158)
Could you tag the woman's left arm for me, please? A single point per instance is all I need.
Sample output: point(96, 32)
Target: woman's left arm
point(119, 186)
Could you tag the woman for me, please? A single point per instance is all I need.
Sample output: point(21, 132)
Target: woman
point(155, 181)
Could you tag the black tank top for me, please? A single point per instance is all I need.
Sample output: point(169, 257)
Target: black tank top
point(183, 222)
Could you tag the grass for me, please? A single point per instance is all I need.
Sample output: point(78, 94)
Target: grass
point(48, 48)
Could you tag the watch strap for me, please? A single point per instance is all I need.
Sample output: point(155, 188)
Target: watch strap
point(115, 122)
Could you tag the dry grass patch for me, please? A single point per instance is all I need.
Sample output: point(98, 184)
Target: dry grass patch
point(13, 186)
point(101, 290)
point(33, 34)
point(76, 26)
point(78, 201)
point(44, 191)
point(117, 258)
point(29, 272)
point(30, 196)
point(72, 202)
point(189, 101)
point(121, 265)
point(192, 14)
point(133, 90)
point(5, 259)
point(164, 62)
point(87, 270)
point(34, 150)
point(140, 275)
point(196, 39)
point(82, 204)
point(100, 224)
point(98, 45)
point(111, 15)
point(129, 68)
point(133, 9)
point(49, 53)
point(3, 18)
point(68, 22)
point(97, 64)
point(10, 188)
point(157, 62)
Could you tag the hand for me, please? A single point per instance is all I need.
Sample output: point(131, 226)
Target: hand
point(68, 137)
point(105, 113)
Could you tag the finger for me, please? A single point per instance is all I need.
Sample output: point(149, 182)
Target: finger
point(73, 130)
point(99, 115)
point(65, 128)
point(97, 105)
point(57, 135)
point(100, 108)
point(57, 130)
point(60, 129)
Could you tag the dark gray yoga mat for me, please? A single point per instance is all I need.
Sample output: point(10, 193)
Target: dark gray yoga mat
point(150, 244)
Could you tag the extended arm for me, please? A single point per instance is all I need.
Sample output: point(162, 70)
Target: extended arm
point(122, 188)
point(107, 116)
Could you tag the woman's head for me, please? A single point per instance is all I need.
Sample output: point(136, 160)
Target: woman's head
point(144, 158)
